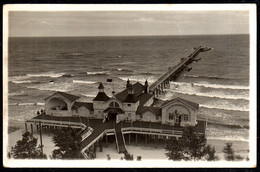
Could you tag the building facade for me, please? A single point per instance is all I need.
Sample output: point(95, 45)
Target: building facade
point(134, 103)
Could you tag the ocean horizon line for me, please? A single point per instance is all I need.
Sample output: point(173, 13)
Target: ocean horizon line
point(124, 36)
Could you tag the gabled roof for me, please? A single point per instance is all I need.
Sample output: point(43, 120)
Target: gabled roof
point(69, 97)
point(143, 109)
point(118, 110)
point(192, 104)
point(143, 98)
point(101, 96)
point(89, 106)
point(138, 89)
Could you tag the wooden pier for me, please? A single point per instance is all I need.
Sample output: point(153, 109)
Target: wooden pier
point(164, 80)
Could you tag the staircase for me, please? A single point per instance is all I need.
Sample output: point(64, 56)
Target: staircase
point(120, 140)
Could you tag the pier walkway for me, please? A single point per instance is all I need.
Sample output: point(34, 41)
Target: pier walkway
point(164, 80)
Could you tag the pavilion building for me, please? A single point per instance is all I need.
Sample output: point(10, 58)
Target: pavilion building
point(134, 109)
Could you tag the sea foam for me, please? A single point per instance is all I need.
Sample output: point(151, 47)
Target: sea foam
point(83, 82)
point(21, 82)
point(195, 90)
point(139, 78)
point(47, 74)
point(218, 86)
point(98, 73)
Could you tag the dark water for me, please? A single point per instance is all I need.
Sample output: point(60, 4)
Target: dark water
point(40, 66)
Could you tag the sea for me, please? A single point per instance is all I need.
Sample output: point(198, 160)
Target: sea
point(219, 82)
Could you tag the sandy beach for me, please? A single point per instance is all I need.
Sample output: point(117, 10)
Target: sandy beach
point(13, 137)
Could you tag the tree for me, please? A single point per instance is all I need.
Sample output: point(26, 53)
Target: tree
point(68, 142)
point(27, 148)
point(229, 152)
point(190, 146)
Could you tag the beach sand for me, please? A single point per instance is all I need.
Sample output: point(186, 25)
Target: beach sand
point(13, 137)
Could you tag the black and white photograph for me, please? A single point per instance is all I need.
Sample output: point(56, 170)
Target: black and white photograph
point(129, 85)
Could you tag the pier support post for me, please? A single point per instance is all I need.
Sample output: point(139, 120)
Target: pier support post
point(106, 140)
point(25, 127)
point(129, 138)
point(32, 128)
point(145, 138)
point(136, 138)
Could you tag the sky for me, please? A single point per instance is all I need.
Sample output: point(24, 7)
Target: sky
point(126, 23)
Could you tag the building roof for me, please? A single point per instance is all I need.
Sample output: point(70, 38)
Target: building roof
point(101, 96)
point(118, 110)
point(143, 98)
point(69, 97)
point(143, 109)
point(89, 106)
point(192, 104)
point(131, 98)
point(138, 89)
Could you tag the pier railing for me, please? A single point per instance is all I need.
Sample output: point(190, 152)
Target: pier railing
point(174, 71)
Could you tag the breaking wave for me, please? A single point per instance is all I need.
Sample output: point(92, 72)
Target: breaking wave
point(188, 89)
point(208, 85)
point(83, 82)
point(48, 74)
point(26, 104)
point(18, 93)
point(63, 87)
point(124, 70)
point(20, 79)
point(21, 82)
point(235, 126)
point(213, 94)
point(98, 73)
point(229, 107)
point(228, 135)
point(139, 78)
point(208, 77)
point(228, 138)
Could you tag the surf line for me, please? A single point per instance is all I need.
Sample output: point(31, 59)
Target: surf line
point(27, 104)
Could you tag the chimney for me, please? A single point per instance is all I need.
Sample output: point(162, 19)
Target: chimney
point(101, 87)
point(146, 86)
point(127, 83)
point(130, 89)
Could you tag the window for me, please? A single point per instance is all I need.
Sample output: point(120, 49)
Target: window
point(186, 117)
point(171, 115)
point(116, 104)
point(141, 115)
point(177, 119)
point(128, 104)
point(157, 117)
point(113, 104)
